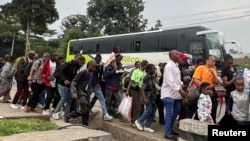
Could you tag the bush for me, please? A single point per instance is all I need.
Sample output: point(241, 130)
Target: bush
point(14, 126)
point(242, 66)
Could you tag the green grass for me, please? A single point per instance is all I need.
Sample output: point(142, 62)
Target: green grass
point(14, 126)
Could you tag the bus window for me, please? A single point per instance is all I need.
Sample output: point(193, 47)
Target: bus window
point(97, 48)
point(75, 49)
point(149, 45)
point(105, 46)
point(125, 46)
point(137, 46)
point(168, 44)
point(196, 50)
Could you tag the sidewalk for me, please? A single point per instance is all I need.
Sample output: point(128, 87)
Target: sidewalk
point(120, 131)
point(67, 132)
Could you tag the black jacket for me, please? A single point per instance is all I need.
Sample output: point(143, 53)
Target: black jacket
point(67, 71)
point(80, 84)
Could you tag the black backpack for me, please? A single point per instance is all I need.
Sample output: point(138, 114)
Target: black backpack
point(27, 69)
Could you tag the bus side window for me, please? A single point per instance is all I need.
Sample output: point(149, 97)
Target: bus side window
point(97, 48)
point(196, 50)
point(168, 44)
point(137, 46)
point(71, 49)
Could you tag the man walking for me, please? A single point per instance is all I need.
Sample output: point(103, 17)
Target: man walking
point(172, 93)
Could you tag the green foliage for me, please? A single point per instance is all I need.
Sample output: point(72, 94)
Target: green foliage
point(79, 26)
point(158, 25)
point(14, 126)
point(33, 16)
point(41, 46)
point(117, 16)
point(242, 66)
point(76, 27)
point(36, 14)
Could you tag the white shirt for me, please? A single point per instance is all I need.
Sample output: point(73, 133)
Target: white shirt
point(204, 107)
point(171, 81)
point(240, 105)
point(83, 67)
point(52, 70)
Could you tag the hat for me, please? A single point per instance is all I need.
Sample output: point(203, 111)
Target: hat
point(183, 56)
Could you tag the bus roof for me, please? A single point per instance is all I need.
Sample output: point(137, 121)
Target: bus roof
point(145, 32)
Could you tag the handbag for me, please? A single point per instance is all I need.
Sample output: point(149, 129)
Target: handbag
point(220, 91)
point(193, 94)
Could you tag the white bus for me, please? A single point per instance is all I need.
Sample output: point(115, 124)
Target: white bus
point(154, 46)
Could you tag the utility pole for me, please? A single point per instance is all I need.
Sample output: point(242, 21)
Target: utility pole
point(13, 42)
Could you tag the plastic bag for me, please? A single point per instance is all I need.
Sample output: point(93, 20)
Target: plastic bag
point(246, 75)
point(125, 107)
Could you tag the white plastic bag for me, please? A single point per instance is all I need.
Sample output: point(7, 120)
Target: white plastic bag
point(246, 75)
point(125, 107)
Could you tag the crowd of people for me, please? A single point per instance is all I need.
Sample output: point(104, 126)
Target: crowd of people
point(67, 86)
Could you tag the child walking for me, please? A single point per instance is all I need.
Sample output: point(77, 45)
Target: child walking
point(205, 103)
point(149, 97)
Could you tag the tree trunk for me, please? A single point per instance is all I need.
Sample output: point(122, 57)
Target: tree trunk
point(27, 37)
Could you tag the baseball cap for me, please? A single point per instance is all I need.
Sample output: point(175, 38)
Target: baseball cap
point(183, 56)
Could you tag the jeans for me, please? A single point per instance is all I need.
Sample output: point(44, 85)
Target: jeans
point(148, 115)
point(100, 97)
point(109, 103)
point(42, 97)
point(173, 108)
point(66, 97)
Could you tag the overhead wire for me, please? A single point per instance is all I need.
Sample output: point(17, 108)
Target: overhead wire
point(194, 17)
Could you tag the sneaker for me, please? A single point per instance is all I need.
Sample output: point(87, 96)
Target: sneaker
point(46, 112)
point(39, 105)
point(133, 125)
point(22, 108)
point(55, 116)
point(148, 129)
point(14, 106)
point(107, 117)
point(138, 125)
point(52, 109)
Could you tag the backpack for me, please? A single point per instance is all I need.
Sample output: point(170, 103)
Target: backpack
point(15, 65)
point(27, 69)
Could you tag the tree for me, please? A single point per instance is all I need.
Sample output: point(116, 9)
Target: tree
point(75, 27)
point(117, 16)
point(33, 15)
point(81, 23)
point(9, 36)
point(158, 25)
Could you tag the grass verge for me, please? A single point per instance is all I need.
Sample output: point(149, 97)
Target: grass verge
point(14, 126)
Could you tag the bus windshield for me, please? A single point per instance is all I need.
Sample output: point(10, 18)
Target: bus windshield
point(215, 46)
